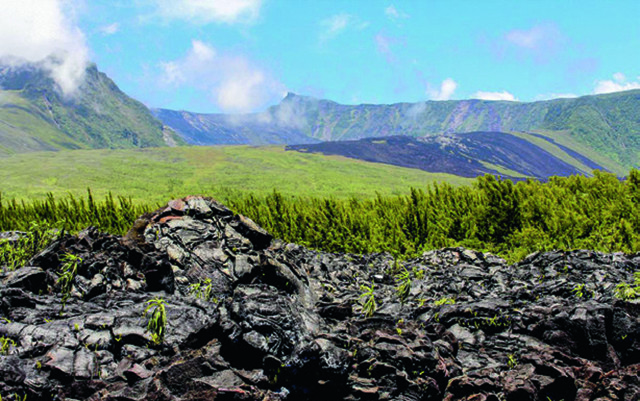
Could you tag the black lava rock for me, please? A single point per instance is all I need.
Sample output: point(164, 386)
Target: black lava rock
point(255, 319)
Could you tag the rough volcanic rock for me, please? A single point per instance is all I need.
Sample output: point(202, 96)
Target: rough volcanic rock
point(249, 318)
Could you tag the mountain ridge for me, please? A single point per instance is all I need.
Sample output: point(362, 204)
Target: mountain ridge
point(35, 116)
point(600, 130)
point(606, 124)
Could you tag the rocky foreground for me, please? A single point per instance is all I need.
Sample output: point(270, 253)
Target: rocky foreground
point(248, 318)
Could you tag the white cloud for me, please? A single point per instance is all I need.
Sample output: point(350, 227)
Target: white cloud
point(195, 64)
point(447, 88)
point(42, 32)
point(618, 84)
point(541, 41)
point(415, 110)
point(207, 11)
point(233, 82)
point(563, 95)
point(393, 13)
point(238, 93)
point(504, 95)
point(110, 29)
point(536, 37)
point(550, 96)
point(619, 77)
point(384, 45)
point(338, 23)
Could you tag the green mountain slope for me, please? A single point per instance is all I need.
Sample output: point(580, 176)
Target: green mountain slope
point(158, 174)
point(35, 116)
point(604, 128)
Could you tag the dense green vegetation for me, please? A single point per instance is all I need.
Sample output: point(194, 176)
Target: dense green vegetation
point(600, 213)
point(70, 214)
point(512, 220)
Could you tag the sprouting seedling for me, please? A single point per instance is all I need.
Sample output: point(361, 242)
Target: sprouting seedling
point(578, 290)
point(157, 320)
point(5, 344)
point(399, 326)
point(444, 301)
point(403, 280)
point(203, 290)
point(68, 272)
point(369, 306)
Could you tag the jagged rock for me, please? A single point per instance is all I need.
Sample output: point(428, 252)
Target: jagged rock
point(30, 278)
point(255, 319)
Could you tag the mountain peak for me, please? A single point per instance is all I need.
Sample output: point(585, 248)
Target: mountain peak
point(99, 115)
point(289, 96)
point(294, 97)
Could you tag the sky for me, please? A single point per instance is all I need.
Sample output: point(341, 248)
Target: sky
point(237, 56)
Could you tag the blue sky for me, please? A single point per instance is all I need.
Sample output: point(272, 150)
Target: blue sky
point(244, 55)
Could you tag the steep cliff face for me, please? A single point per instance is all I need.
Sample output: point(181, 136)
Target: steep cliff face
point(250, 318)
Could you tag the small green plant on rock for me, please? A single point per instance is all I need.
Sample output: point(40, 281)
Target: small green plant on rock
point(203, 290)
point(68, 272)
point(395, 267)
point(157, 319)
point(5, 344)
point(444, 301)
point(628, 292)
point(580, 291)
point(418, 273)
point(512, 361)
point(369, 306)
point(403, 280)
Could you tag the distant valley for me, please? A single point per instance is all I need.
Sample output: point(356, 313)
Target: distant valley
point(604, 128)
point(462, 137)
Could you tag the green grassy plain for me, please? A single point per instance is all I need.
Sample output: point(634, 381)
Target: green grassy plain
point(159, 174)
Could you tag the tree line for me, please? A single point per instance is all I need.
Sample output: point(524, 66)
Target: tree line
point(600, 212)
